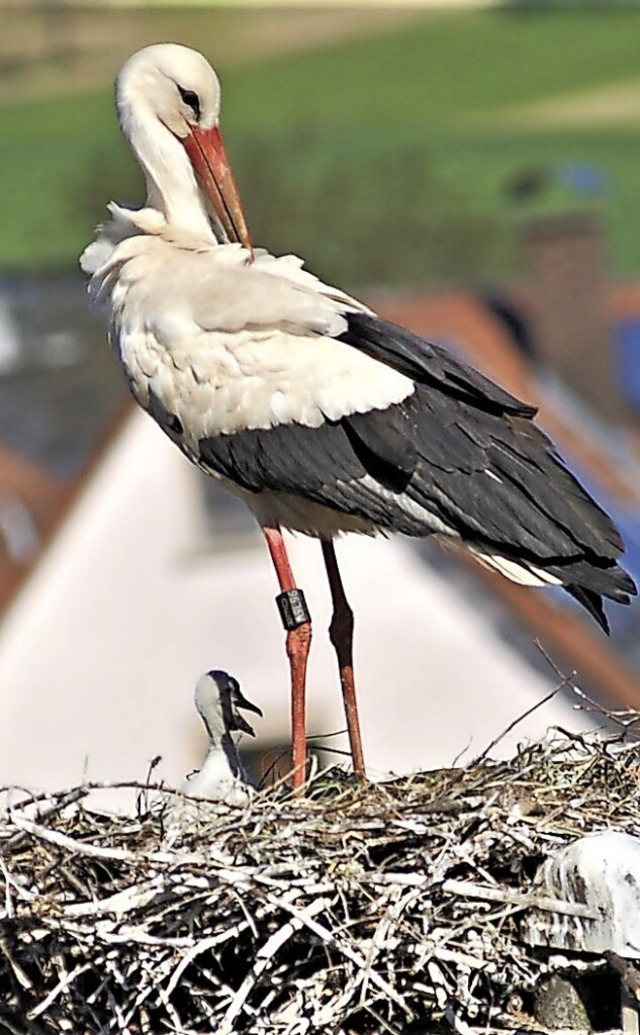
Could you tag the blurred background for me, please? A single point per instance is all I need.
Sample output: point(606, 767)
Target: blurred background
point(470, 170)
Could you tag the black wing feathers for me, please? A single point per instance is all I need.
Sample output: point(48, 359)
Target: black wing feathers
point(427, 363)
point(459, 454)
point(318, 464)
point(383, 446)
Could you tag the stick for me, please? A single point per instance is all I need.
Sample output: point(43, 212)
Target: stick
point(515, 898)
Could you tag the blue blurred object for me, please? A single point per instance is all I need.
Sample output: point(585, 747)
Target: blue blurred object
point(627, 335)
point(585, 179)
point(535, 182)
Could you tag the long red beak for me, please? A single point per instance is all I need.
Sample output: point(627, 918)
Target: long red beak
point(209, 159)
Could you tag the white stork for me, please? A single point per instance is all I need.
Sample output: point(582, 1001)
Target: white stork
point(222, 777)
point(323, 417)
point(218, 698)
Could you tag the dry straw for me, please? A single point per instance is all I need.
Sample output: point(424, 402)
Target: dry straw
point(378, 908)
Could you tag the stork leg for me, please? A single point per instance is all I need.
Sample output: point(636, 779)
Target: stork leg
point(297, 623)
point(341, 634)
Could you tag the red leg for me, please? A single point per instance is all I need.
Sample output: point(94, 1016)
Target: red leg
point(298, 644)
point(341, 634)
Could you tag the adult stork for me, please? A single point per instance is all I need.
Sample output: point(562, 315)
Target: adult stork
point(323, 417)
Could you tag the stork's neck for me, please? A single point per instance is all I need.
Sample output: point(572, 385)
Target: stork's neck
point(172, 188)
point(223, 754)
point(222, 751)
point(211, 715)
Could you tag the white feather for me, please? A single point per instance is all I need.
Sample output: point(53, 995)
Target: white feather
point(521, 572)
point(226, 344)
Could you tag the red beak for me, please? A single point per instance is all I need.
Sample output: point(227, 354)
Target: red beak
point(209, 159)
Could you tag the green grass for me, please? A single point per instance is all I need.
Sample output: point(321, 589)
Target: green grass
point(351, 119)
point(449, 68)
point(47, 149)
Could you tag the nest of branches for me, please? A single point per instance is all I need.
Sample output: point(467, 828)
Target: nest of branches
point(387, 908)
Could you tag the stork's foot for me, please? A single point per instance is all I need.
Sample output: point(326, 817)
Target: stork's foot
point(296, 620)
point(297, 623)
point(341, 635)
point(347, 683)
point(298, 645)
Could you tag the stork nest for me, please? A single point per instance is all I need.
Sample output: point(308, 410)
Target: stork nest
point(388, 908)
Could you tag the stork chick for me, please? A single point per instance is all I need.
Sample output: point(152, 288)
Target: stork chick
point(218, 699)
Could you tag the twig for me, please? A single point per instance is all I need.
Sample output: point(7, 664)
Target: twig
point(54, 837)
point(516, 898)
point(521, 718)
point(67, 980)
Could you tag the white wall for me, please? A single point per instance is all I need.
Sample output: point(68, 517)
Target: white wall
point(101, 650)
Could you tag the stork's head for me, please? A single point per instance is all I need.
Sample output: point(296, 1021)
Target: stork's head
point(177, 84)
point(167, 88)
point(218, 699)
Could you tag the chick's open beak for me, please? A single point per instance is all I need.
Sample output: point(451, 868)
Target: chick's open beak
point(238, 700)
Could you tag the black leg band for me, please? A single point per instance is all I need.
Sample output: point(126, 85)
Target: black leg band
point(293, 609)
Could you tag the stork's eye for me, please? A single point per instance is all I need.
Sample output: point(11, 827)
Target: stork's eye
point(191, 99)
